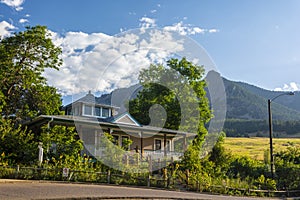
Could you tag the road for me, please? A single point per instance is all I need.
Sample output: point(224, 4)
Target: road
point(20, 190)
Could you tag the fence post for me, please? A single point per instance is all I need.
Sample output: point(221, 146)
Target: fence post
point(165, 177)
point(138, 159)
point(159, 165)
point(150, 164)
point(108, 176)
point(149, 180)
point(187, 179)
point(18, 170)
point(126, 160)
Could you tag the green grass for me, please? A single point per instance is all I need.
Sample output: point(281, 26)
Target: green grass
point(255, 147)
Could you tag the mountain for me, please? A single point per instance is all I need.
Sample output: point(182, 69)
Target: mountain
point(245, 101)
point(247, 111)
point(292, 102)
point(247, 107)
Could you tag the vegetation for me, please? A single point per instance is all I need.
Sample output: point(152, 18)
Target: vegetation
point(18, 145)
point(258, 148)
point(247, 112)
point(260, 128)
point(23, 58)
point(245, 102)
point(180, 89)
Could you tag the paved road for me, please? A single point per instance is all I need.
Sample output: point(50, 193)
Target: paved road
point(19, 190)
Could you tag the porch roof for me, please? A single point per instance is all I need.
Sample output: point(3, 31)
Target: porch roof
point(70, 120)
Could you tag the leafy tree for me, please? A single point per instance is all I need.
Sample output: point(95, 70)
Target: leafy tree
point(16, 144)
point(220, 157)
point(179, 89)
point(244, 166)
point(23, 59)
point(60, 141)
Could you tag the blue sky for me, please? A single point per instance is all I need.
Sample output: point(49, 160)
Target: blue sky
point(257, 42)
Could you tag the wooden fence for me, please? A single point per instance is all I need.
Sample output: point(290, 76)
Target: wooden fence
point(160, 180)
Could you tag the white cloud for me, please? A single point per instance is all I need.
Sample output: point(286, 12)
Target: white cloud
point(147, 22)
point(101, 62)
point(22, 21)
point(289, 87)
point(5, 29)
point(132, 13)
point(16, 4)
point(213, 30)
point(153, 11)
point(183, 29)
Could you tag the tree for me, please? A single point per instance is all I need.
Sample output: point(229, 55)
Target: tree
point(179, 89)
point(23, 59)
point(18, 145)
point(60, 141)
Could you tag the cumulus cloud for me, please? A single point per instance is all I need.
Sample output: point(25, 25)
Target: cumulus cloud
point(5, 29)
point(146, 22)
point(184, 29)
point(16, 4)
point(289, 87)
point(22, 21)
point(101, 62)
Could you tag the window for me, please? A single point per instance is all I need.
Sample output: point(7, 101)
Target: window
point(157, 144)
point(98, 111)
point(105, 112)
point(116, 139)
point(88, 110)
point(125, 144)
point(69, 111)
point(76, 111)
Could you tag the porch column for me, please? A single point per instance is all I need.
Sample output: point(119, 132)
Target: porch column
point(184, 143)
point(80, 132)
point(165, 144)
point(110, 130)
point(96, 142)
point(142, 144)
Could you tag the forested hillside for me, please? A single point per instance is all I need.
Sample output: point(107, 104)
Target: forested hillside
point(247, 109)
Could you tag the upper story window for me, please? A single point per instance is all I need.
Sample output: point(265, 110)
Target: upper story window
point(98, 111)
point(88, 110)
point(105, 112)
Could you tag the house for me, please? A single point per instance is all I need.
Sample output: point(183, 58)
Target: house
point(93, 116)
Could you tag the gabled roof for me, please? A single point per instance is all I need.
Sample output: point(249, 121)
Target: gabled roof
point(123, 118)
point(89, 98)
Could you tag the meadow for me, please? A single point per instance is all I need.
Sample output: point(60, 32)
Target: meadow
point(255, 147)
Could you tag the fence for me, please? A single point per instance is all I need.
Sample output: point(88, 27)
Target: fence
point(161, 180)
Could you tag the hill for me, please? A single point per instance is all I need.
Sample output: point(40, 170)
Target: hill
point(247, 109)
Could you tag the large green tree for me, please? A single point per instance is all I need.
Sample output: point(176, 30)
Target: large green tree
point(18, 145)
point(24, 56)
point(178, 87)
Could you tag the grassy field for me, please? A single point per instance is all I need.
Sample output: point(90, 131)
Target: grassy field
point(255, 147)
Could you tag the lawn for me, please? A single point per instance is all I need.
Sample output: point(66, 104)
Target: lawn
point(255, 147)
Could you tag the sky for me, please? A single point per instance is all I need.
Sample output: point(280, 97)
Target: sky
point(106, 43)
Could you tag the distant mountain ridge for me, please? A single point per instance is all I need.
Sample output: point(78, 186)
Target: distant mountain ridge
point(247, 108)
point(245, 101)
